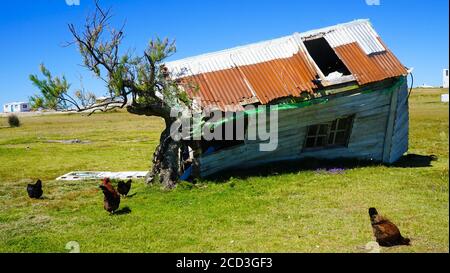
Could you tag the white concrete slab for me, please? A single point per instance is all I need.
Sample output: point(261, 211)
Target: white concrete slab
point(88, 175)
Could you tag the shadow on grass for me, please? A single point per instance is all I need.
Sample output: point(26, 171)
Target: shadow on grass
point(313, 164)
point(123, 211)
point(415, 161)
point(131, 195)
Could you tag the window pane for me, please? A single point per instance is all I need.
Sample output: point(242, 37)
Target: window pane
point(331, 139)
point(335, 132)
point(313, 130)
point(333, 125)
point(323, 129)
point(343, 124)
point(341, 138)
point(321, 141)
point(310, 142)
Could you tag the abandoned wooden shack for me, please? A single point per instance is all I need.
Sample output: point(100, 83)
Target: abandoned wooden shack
point(341, 94)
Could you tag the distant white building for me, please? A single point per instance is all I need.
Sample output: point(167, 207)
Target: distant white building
point(16, 107)
point(445, 78)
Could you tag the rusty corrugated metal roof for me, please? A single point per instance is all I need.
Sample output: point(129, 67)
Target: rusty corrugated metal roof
point(278, 68)
point(280, 77)
point(370, 68)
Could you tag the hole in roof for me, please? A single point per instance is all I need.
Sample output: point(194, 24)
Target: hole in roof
point(325, 57)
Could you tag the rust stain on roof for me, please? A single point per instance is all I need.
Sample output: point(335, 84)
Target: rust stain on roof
point(280, 78)
point(370, 68)
point(266, 81)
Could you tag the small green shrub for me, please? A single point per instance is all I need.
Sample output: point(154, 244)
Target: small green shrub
point(13, 121)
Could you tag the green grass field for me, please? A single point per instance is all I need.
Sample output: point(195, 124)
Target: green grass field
point(303, 211)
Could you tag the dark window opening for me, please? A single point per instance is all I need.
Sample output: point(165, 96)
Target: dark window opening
point(325, 57)
point(237, 138)
point(331, 134)
point(218, 145)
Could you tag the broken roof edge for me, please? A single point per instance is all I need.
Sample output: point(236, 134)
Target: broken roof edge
point(328, 29)
point(270, 41)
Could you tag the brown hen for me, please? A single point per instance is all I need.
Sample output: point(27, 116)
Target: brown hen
point(386, 232)
point(111, 200)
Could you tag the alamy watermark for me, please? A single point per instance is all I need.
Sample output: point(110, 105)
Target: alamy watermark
point(373, 2)
point(257, 124)
point(73, 2)
point(73, 247)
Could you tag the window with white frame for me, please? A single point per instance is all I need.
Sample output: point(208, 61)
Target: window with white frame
point(331, 134)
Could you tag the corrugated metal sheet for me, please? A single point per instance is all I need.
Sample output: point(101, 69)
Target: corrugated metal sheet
point(265, 71)
point(370, 68)
point(362, 33)
point(280, 77)
point(282, 67)
point(280, 48)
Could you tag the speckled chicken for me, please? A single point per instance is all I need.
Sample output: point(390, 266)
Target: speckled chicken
point(386, 232)
point(111, 199)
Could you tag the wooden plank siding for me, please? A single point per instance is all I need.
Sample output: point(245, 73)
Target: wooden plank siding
point(400, 136)
point(372, 111)
point(390, 127)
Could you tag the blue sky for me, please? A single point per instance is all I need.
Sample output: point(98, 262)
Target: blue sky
point(34, 31)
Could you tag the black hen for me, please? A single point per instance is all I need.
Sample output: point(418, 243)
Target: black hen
point(35, 191)
point(124, 188)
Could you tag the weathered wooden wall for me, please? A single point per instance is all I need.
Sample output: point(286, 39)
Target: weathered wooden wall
point(400, 137)
point(372, 111)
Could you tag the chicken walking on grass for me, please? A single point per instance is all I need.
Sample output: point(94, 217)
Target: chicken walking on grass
point(124, 188)
point(35, 190)
point(111, 199)
point(386, 232)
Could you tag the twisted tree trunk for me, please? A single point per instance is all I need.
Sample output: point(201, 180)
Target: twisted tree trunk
point(166, 160)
